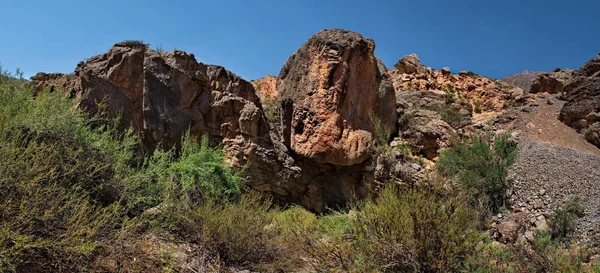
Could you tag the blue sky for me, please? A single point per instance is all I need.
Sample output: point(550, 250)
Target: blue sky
point(254, 38)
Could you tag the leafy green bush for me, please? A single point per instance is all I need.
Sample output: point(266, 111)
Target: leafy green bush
point(567, 215)
point(451, 116)
point(417, 229)
point(59, 182)
point(271, 108)
point(404, 229)
point(481, 168)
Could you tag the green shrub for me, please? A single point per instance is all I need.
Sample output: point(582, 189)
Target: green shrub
point(271, 108)
point(382, 134)
point(416, 229)
point(566, 218)
point(481, 168)
point(451, 116)
point(404, 229)
point(59, 182)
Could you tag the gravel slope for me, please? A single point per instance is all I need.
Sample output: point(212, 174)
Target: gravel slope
point(546, 172)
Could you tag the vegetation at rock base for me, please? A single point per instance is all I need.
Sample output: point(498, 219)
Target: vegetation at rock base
point(481, 168)
point(75, 196)
point(567, 214)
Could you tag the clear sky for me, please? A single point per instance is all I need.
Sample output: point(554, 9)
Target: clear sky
point(254, 38)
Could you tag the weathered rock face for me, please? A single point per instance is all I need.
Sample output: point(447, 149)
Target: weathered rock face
point(523, 80)
point(582, 109)
point(484, 94)
point(66, 83)
point(410, 64)
point(426, 131)
point(162, 95)
point(266, 87)
point(552, 83)
point(328, 90)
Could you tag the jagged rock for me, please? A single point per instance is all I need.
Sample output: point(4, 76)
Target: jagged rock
point(329, 90)
point(410, 64)
point(552, 83)
point(398, 166)
point(426, 131)
point(592, 134)
point(524, 80)
point(66, 83)
point(508, 231)
point(446, 70)
point(266, 87)
point(583, 100)
point(162, 95)
point(457, 115)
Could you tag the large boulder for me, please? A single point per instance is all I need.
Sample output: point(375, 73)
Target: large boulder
point(410, 64)
point(426, 131)
point(552, 82)
point(331, 90)
point(582, 109)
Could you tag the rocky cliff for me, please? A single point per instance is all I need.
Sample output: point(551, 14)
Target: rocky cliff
point(582, 109)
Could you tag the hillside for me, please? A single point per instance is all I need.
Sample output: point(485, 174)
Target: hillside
point(150, 161)
point(523, 80)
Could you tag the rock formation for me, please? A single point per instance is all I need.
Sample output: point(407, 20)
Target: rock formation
point(410, 64)
point(582, 109)
point(331, 89)
point(523, 80)
point(163, 95)
point(484, 94)
point(266, 87)
point(552, 82)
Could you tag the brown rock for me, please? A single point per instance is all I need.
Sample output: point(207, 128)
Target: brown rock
point(410, 64)
point(552, 83)
point(524, 80)
point(426, 131)
point(508, 231)
point(163, 95)
point(583, 100)
point(446, 70)
point(266, 87)
point(328, 89)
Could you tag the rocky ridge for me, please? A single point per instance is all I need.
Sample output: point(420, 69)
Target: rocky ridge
point(485, 95)
point(582, 95)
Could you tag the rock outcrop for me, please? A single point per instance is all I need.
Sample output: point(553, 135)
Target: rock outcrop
point(330, 90)
point(266, 87)
point(410, 64)
point(523, 80)
point(582, 109)
point(429, 120)
point(552, 83)
point(484, 94)
point(163, 95)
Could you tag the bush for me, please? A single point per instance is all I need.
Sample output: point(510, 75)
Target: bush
point(417, 229)
point(59, 180)
point(404, 229)
point(566, 218)
point(451, 116)
point(481, 168)
point(271, 108)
